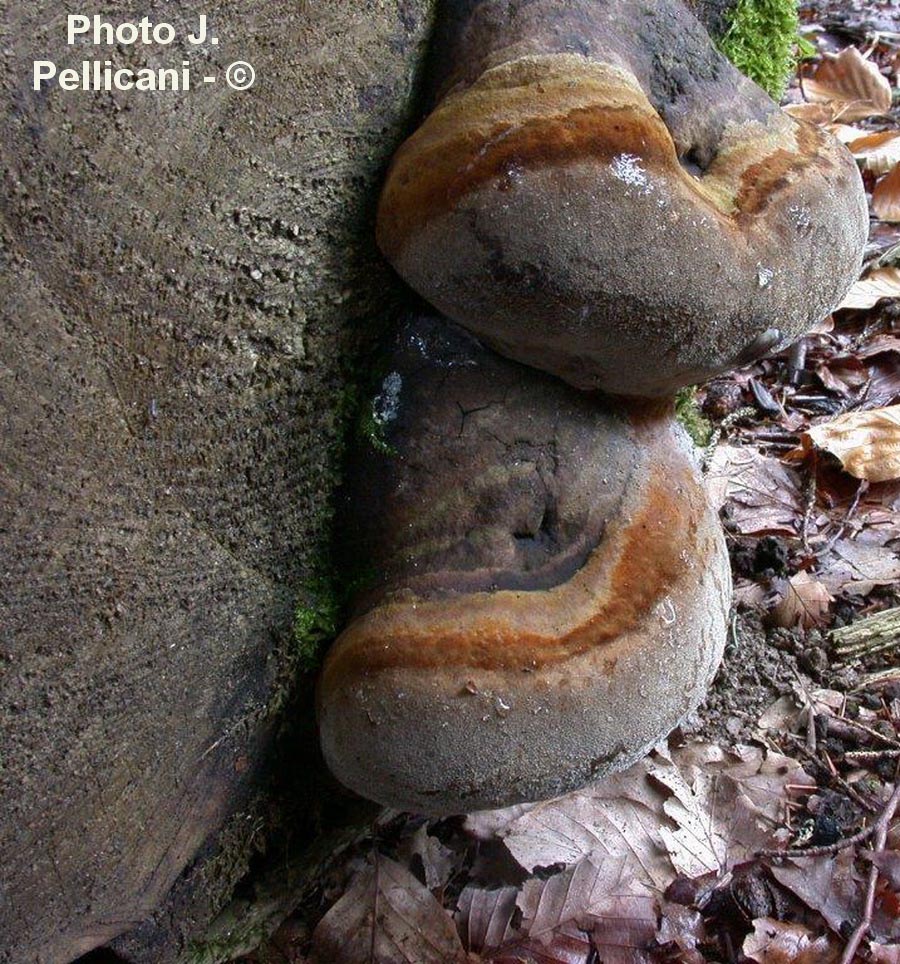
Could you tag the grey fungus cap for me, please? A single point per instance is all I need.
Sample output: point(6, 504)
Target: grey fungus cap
point(598, 193)
point(551, 587)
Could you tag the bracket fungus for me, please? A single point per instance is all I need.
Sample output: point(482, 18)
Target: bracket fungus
point(598, 193)
point(552, 588)
point(601, 199)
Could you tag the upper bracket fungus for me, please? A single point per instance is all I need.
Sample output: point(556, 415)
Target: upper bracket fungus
point(551, 593)
point(597, 192)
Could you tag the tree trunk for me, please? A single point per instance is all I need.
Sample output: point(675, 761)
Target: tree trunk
point(186, 278)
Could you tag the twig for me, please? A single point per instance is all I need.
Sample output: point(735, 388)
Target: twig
point(891, 675)
point(830, 850)
point(786, 438)
point(808, 507)
point(835, 778)
point(842, 728)
point(872, 755)
point(862, 488)
point(796, 361)
point(881, 827)
point(826, 850)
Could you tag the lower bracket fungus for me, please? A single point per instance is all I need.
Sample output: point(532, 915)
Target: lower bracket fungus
point(551, 592)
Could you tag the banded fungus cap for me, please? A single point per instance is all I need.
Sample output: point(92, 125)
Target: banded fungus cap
point(551, 588)
point(599, 193)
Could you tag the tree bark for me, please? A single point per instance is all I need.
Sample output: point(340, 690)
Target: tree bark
point(186, 280)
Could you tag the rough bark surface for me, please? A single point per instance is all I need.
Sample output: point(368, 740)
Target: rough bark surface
point(184, 277)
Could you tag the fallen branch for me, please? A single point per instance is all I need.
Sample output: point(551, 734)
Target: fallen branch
point(880, 828)
point(869, 635)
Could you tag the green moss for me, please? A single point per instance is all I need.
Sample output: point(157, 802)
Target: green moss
point(316, 620)
point(372, 430)
point(687, 411)
point(324, 597)
point(763, 43)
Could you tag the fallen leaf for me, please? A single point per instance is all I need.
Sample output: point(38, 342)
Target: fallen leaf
point(884, 953)
point(858, 567)
point(726, 807)
point(884, 382)
point(844, 374)
point(484, 916)
point(761, 496)
point(868, 291)
point(886, 197)
point(487, 824)
point(702, 810)
point(748, 594)
point(564, 948)
point(774, 942)
point(888, 864)
point(682, 926)
point(829, 885)
point(818, 114)
point(617, 817)
point(601, 898)
point(845, 133)
point(878, 345)
point(805, 603)
point(879, 153)
point(386, 917)
point(436, 860)
point(854, 85)
point(867, 443)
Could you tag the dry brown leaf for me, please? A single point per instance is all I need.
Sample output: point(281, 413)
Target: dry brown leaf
point(866, 443)
point(387, 917)
point(761, 496)
point(845, 133)
point(617, 817)
point(879, 152)
point(484, 917)
point(436, 861)
point(703, 810)
point(487, 824)
point(829, 885)
point(854, 85)
point(834, 886)
point(844, 374)
point(773, 942)
point(858, 567)
point(727, 806)
point(884, 953)
point(563, 949)
point(818, 114)
point(886, 197)
point(805, 603)
point(888, 864)
point(868, 291)
point(880, 344)
point(601, 898)
point(748, 594)
point(682, 926)
point(884, 387)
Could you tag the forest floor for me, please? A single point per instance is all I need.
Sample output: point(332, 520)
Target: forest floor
point(767, 829)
